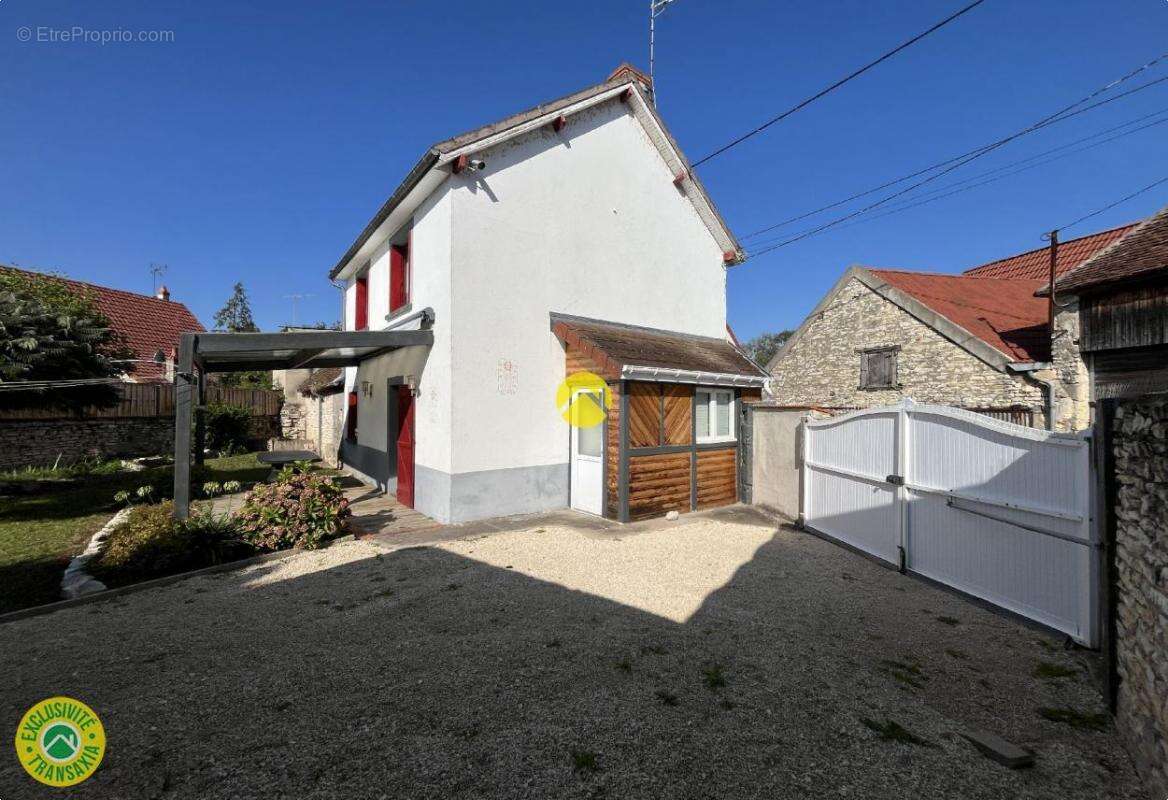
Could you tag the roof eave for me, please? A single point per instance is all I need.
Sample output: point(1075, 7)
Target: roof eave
point(672, 375)
point(424, 165)
point(439, 156)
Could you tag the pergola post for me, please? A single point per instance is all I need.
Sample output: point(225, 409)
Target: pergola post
point(201, 420)
point(184, 391)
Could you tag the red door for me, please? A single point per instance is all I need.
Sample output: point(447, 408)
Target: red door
point(405, 446)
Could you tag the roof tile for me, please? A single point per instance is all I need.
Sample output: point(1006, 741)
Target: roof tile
point(147, 323)
point(614, 346)
point(1035, 264)
point(1143, 251)
point(1002, 312)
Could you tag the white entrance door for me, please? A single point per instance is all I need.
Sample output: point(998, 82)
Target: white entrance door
point(588, 460)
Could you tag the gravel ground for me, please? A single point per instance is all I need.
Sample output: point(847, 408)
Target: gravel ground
point(708, 658)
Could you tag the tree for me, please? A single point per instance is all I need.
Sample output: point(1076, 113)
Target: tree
point(53, 331)
point(235, 316)
point(762, 348)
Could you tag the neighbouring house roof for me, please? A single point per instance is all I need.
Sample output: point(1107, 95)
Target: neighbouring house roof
point(629, 351)
point(147, 324)
point(1035, 264)
point(439, 157)
point(323, 381)
point(997, 320)
point(1143, 252)
point(1003, 313)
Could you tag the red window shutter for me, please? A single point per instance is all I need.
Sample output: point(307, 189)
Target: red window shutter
point(351, 420)
point(362, 316)
point(399, 256)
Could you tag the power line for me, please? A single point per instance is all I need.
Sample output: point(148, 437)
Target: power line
point(1058, 116)
point(942, 193)
point(838, 83)
point(978, 150)
point(1110, 206)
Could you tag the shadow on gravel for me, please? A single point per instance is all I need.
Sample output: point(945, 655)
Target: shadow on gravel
point(422, 674)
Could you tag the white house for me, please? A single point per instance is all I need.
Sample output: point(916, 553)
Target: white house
point(582, 210)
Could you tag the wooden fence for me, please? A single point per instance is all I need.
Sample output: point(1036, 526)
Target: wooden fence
point(157, 400)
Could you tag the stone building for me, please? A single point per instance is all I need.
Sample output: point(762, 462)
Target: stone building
point(979, 340)
point(313, 411)
point(882, 335)
point(1111, 341)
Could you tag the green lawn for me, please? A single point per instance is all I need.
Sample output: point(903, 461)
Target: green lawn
point(40, 533)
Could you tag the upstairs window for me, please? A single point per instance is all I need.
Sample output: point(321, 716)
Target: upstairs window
point(714, 415)
point(399, 276)
point(878, 368)
point(351, 419)
point(361, 316)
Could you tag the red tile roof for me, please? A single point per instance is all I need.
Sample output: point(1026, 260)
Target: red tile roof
point(1141, 253)
point(1035, 264)
point(147, 323)
point(1003, 313)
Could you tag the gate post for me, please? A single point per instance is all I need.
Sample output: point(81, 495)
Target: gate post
point(745, 452)
point(902, 422)
point(804, 484)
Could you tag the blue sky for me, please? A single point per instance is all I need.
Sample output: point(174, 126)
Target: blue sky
point(257, 143)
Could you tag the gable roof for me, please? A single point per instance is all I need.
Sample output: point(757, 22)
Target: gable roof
point(1035, 264)
point(998, 321)
point(631, 351)
point(1002, 312)
point(1141, 253)
point(146, 323)
point(625, 81)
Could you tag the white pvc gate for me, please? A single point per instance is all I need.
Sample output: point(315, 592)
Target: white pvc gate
point(995, 510)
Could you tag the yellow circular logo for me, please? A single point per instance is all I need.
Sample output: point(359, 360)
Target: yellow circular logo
point(583, 399)
point(60, 741)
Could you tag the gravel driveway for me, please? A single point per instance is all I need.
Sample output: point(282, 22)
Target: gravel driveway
point(713, 657)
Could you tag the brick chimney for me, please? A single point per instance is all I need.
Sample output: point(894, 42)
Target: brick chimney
point(163, 293)
point(626, 71)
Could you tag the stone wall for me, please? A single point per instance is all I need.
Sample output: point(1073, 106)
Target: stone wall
point(292, 419)
point(323, 418)
point(823, 367)
point(1140, 444)
point(1072, 384)
point(42, 442)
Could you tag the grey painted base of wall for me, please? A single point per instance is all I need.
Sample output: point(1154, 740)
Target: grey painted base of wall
point(470, 496)
point(370, 465)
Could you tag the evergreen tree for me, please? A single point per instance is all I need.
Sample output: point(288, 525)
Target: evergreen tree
point(235, 316)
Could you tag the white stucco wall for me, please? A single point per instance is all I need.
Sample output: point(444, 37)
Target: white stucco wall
point(584, 222)
point(430, 287)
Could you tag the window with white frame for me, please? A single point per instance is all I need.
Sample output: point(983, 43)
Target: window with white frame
point(714, 415)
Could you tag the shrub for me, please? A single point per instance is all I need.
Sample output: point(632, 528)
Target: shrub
point(300, 509)
point(151, 543)
point(227, 428)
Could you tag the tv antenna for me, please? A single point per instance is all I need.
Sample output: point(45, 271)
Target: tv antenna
point(656, 9)
point(156, 270)
point(296, 298)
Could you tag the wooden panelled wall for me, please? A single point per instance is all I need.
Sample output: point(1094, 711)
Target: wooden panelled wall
point(662, 457)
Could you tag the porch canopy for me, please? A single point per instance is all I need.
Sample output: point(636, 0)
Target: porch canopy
point(203, 353)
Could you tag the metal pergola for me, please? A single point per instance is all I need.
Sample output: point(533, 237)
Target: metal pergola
point(201, 354)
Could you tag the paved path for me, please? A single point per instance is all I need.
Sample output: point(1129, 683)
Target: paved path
point(560, 657)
